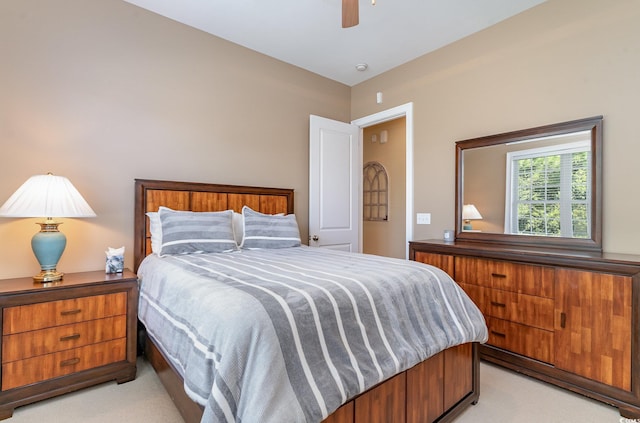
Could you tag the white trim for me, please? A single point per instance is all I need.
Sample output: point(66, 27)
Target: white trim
point(552, 150)
point(405, 110)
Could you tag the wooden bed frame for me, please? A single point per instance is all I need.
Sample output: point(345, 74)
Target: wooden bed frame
point(438, 389)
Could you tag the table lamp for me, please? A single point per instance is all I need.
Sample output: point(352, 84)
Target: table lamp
point(469, 213)
point(48, 197)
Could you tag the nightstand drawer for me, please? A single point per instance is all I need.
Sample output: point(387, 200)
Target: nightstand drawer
point(523, 278)
point(58, 338)
point(37, 369)
point(55, 313)
point(45, 341)
point(521, 339)
point(519, 308)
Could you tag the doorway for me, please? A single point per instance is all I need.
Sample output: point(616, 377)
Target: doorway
point(384, 191)
point(403, 112)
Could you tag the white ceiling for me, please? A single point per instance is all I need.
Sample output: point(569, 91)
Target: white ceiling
point(308, 33)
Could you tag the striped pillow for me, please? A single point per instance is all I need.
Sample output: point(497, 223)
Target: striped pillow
point(269, 231)
point(185, 232)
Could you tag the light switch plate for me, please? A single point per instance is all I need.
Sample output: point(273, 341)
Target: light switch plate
point(423, 218)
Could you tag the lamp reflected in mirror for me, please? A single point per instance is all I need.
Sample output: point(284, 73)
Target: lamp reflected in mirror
point(469, 213)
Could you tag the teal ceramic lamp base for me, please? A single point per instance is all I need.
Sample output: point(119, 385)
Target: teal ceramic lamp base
point(48, 246)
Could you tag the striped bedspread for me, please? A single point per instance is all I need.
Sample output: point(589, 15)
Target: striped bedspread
point(288, 335)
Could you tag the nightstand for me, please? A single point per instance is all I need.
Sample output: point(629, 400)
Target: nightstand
point(63, 336)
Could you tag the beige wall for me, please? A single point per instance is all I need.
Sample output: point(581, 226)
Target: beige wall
point(485, 186)
point(388, 238)
point(562, 60)
point(103, 92)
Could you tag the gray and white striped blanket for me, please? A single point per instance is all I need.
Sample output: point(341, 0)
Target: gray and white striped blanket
point(288, 335)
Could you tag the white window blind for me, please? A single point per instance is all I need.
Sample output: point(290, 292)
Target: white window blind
point(549, 191)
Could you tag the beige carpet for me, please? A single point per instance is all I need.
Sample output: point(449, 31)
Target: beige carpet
point(141, 400)
point(508, 397)
point(505, 397)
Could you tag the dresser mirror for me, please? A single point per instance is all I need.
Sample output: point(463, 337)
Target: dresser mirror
point(533, 187)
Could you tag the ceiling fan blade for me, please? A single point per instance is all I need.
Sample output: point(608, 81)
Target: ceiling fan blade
point(349, 13)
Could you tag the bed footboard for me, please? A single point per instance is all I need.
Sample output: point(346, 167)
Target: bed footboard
point(438, 389)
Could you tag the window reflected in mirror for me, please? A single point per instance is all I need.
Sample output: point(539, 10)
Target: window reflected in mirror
point(548, 190)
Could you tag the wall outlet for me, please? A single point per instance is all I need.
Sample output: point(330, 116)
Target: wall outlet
point(423, 218)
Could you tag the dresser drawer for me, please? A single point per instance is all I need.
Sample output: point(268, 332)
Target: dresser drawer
point(37, 369)
point(55, 313)
point(45, 341)
point(443, 261)
point(521, 339)
point(520, 308)
point(522, 278)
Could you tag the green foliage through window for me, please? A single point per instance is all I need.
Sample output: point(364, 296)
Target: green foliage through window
point(551, 193)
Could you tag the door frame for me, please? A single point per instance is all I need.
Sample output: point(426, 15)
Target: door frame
point(406, 111)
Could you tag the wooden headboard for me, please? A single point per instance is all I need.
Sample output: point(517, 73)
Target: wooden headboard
point(193, 196)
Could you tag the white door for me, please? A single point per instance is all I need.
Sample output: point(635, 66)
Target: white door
point(334, 184)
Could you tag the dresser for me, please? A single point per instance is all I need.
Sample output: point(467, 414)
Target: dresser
point(62, 336)
point(570, 318)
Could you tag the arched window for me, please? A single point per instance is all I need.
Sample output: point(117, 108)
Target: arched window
point(376, 192)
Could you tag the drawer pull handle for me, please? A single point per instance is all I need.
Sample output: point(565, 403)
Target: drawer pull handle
point(498, 275)
point(70, 362)
point(497, 304)
point(499, 334)
point(70, 337)
point(70, 312)
point(563, 320)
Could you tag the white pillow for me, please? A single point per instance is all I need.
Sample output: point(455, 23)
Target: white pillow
point(238, 227)
point(155, 227)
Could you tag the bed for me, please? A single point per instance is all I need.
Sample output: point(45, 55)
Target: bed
point(354, 368)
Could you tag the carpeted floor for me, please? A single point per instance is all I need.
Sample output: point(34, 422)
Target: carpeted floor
point(141, 400)
point(505, 397)
point(508, 397)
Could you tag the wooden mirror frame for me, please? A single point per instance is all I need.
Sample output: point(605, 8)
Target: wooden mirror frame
point(594, 125)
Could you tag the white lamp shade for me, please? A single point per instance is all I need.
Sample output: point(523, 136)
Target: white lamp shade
point(470, 212)
point(46, 196)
